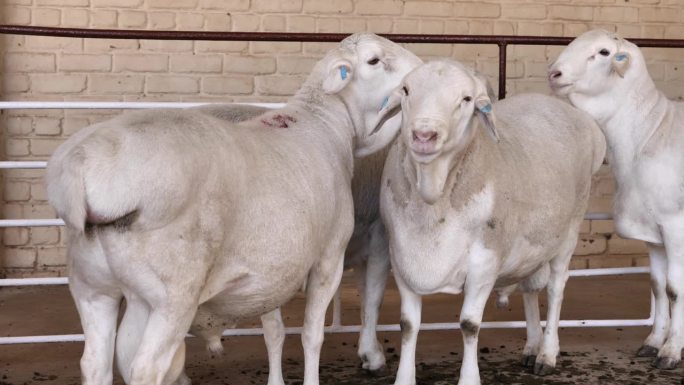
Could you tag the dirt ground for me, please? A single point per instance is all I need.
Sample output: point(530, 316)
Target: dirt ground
point(588, 355)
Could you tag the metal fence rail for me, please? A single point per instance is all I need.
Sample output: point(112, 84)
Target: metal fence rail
point(502, 41)
point(336, 327)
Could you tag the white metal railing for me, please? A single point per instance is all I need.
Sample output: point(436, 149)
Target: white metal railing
point(113, 105)
point(23, 165)
point(336, 325)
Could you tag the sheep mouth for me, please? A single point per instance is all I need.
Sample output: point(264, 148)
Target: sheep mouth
point(560, 88)
point(424, 150)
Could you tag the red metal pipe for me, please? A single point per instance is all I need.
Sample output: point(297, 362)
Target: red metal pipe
point(502, 70)
point(501, 41)
point(306, 37)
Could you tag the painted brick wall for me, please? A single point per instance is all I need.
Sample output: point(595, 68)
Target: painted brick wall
point(38, 68)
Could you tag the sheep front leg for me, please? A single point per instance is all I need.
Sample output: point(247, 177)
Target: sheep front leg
point(274, 335)
point(372, 279)
point(411, 307)
point(477, 290)
point(670, 355)
point(98, 310)
point(534, 329)
point(661, 323)
point(324, 278)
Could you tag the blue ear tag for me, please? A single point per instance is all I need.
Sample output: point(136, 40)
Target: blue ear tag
point(486, 109)
point(384, 102)
point(343, 72)
point(620, 57)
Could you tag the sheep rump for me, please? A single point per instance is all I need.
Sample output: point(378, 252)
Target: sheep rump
point(176, 209)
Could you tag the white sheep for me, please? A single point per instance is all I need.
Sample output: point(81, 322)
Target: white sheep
point(606, 76)
point(471, 207)
point(366, 253)
point(173, 209)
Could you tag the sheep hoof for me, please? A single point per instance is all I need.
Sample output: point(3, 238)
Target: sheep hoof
point(666, 363)
point(528, 360)
point(543, 369)
point(647, 351)
point(379, 372)
point(373, 362)
point(373, 365)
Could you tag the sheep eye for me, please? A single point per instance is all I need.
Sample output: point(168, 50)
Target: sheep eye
point(374, 61)
point(467, 99)
point(405, 90)
point(604, 52)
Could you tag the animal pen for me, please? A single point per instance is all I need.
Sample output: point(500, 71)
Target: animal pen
point(336, 325)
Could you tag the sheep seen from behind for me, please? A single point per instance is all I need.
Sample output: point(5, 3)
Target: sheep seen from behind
point(173, 210)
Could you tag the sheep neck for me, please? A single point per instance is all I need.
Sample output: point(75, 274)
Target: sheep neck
point(469, 167)
point(330, 113)
point(633, 123)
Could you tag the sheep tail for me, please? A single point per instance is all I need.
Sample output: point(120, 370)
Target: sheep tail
point(66, 188)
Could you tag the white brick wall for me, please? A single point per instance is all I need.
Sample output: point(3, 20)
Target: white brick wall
point(40, 68)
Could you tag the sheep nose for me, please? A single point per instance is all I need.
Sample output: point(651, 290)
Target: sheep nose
point(555, 74)
point(425, 136)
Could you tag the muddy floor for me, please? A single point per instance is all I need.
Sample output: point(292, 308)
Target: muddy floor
point(588, 355)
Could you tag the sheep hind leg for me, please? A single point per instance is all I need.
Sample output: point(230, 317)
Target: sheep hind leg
point(324, 279)
point(130, 332)
point(162, 345)
point(558, 276)
point(98, 310)
point(661, 323)
point(274, 336)
point(531, 288)
point(534, 329)
point(176, 373)
point(670, 354)
point(372, 279)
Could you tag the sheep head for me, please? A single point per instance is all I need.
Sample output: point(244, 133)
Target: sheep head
point(595, 63)
point(363, 71)
point(439, 102)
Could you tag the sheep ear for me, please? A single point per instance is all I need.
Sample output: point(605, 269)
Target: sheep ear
point(484, 112)
point(390, 107)
point(621, 62)
point(339, 75)
point(380, 138)
point(484, 80)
